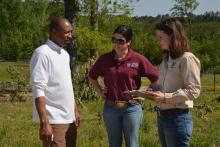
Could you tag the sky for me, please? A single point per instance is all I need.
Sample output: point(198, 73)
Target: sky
point(156, 7)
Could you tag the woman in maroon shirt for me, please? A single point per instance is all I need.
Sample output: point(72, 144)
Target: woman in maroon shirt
point(122, 69)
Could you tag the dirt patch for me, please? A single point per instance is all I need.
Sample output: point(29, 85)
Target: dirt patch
point(7, 96)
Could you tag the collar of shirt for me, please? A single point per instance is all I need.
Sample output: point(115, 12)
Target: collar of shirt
point(53, 45)
point(128, 57)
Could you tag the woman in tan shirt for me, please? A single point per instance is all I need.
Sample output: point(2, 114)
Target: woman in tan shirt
point(179, 85)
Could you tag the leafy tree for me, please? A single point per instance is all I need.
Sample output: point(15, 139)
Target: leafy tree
point(24, 24)
point(71, 8)
point(21, 30)
point(185, 8)
point(100, 12)
point(91, 43)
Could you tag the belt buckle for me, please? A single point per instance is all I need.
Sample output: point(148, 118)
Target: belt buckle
point(132, 101)
point(121, 104)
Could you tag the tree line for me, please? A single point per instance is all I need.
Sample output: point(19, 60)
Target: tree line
point(24, 26)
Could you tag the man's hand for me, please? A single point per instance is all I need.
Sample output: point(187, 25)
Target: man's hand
point(46, 134)
point(77, 116)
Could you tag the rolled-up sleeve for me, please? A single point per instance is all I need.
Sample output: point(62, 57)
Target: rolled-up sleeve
point(39, 74)
point(190, 71)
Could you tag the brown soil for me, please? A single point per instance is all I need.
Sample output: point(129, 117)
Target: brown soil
point(7, 96)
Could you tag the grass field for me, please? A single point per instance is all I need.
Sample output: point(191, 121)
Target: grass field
point(18, 130)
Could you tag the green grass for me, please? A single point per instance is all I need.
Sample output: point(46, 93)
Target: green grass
point(18, 130)
point(208, 82)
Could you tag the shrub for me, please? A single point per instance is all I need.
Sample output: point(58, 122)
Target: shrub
point(83, 90)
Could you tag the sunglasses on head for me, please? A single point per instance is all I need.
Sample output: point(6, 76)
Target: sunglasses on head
point(166, 22)
point(118, 41)
point(164, 25)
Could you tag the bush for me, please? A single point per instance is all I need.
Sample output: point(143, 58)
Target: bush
point(19, 82)
point(83, 90)
point(90, 43)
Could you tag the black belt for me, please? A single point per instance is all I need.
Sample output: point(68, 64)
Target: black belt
point(172, 112)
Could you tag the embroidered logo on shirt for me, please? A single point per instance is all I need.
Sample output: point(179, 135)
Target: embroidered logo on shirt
point(133, 65)
point(172, 65)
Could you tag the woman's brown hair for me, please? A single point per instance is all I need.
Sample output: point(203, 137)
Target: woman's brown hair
point(179, 42)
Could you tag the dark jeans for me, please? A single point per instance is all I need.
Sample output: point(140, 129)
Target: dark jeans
point(175, 131)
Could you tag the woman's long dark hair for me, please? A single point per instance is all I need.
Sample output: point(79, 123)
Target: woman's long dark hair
point(179, 42)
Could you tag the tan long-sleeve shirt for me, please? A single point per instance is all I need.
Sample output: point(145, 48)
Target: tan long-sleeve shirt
point(180, 81)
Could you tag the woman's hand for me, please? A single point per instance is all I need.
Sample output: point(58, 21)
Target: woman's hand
point(103, 91)
point(157, 96)
point(137, 93)
point(154, 86)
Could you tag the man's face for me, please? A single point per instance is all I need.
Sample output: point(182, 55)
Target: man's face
point(63, 35)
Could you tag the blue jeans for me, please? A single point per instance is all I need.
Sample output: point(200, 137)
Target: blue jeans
point(125, 122)
point(175, 131)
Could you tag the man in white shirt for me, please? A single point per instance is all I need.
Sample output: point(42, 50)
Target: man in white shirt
point(53, 98)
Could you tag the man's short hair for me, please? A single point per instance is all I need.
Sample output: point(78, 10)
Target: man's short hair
point(55, 23)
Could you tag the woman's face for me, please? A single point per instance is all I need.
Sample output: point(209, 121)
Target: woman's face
point(119, 44)
point(163, 40)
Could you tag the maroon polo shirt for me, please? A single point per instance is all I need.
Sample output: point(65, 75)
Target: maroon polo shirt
point(123, 75)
